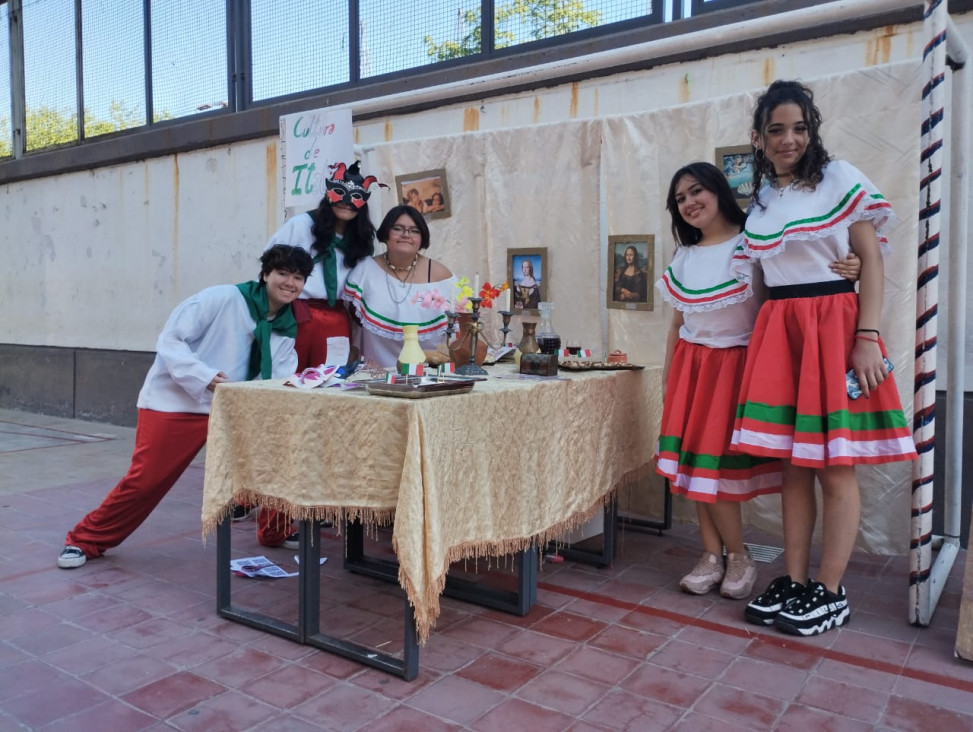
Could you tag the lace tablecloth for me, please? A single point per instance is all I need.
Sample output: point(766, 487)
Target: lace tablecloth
point(485, 473)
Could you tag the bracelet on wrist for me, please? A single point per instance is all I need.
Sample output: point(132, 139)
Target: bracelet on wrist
point(867, 330)
point(865, 338)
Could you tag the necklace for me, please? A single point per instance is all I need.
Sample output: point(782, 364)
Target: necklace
point(411, 278)
point(401, 269)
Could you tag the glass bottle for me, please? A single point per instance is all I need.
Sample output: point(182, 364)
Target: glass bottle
point(547, 339)
point(411, 352)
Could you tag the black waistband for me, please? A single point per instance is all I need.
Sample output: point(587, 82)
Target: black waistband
point(811, 289)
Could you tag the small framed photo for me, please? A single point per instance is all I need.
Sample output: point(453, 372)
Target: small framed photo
point(426, 191)
point(631, 271)
point(527, 275)
point(737, 165)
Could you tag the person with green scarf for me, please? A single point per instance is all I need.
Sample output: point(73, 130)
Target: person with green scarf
point(338, 234)
point(223, 333)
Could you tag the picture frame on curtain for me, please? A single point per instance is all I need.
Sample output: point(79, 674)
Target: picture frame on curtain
point(528, 277)
point(736, 162)
point(426, 191)
point(631, 271)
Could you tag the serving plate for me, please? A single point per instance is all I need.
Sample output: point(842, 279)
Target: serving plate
point(419, 387)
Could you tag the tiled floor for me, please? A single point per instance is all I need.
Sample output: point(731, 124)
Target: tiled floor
point(133, 642)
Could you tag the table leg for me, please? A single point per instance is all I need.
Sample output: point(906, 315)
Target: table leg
point(603, 558)
point(516, 602)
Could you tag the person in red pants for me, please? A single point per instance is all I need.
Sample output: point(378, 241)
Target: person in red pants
point(223, 333)
point(338, 234)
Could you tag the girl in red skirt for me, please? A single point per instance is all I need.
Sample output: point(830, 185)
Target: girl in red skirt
point(705, 355)
point(796, 402)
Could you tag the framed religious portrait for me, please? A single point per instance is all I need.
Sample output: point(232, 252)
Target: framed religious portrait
point(736, 162)
point(528, 278)
point(426, 191)
point(631, 271)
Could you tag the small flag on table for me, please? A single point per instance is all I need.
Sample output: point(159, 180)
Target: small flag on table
point(389, 378)
point(445, 368)
point(582, 353)
point(412, 369)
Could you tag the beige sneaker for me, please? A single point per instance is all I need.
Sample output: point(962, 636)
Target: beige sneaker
point(705, 575)
point(741, 573)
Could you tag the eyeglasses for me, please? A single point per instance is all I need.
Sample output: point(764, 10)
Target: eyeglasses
point(403, 231)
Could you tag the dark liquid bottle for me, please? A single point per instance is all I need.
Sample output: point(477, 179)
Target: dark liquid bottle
point(549, 343)
point(547, 340)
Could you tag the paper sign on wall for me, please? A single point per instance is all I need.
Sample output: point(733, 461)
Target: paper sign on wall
point(310, 142)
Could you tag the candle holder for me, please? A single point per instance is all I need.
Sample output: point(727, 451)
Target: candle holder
point(451, 319)
point(506, 315)
point(471, 369)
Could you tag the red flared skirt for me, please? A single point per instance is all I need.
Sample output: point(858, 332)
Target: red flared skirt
point(697, 423)
point(794, 401)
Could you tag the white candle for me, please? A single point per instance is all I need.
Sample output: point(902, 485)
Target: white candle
point(476, 285)
point(506, 300)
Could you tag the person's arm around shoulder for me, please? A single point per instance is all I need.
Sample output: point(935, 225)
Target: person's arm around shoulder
point(866, 355)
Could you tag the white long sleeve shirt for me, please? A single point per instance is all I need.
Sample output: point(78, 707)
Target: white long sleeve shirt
point(212, 331)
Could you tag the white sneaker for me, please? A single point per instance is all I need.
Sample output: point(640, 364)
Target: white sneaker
point(706, 575)
point(71, 558)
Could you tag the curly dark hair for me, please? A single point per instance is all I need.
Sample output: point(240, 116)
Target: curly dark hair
point(359, 239)
point(809, 170)
point(712, 179)
point(287, 258)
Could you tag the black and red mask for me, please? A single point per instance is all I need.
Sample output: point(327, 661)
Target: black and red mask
point(347, 185)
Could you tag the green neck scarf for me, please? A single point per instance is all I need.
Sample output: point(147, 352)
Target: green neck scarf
point(329, 267)
point(261, 362)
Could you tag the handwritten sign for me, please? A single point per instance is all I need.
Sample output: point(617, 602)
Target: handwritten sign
point(309, 143)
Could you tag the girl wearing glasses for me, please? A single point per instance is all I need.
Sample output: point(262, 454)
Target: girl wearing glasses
point(399, 287)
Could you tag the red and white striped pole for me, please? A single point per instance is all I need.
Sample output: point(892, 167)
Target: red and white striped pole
point(927, 303)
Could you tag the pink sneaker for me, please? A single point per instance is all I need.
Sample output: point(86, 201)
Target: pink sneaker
point(741, 573)
point(705, 575)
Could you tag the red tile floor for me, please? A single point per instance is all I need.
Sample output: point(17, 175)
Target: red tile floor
point(132, 641)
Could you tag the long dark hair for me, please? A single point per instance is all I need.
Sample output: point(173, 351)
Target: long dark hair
point(712, 179)
point(359, 241)
point(809, 170)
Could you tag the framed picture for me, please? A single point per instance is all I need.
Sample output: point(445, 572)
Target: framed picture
point(631, 271)
point(527, 275)
point(426, 191)
point(737, 165)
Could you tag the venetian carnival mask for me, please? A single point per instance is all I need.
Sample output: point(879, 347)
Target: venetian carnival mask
point(346, 185)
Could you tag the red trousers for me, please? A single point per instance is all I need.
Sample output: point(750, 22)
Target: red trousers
point(165, 445)
point(312, 350)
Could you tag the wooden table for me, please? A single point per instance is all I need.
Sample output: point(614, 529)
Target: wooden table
point(499, 470)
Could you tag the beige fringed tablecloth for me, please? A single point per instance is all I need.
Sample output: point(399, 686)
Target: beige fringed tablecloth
point(484, 473)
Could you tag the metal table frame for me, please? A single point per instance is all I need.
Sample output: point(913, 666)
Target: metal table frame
point(308, 628)
point(516, 602)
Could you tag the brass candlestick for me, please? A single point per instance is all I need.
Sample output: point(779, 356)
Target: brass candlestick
point(451, 319)
point(471, 369)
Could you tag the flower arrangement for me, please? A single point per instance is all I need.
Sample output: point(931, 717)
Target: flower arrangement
point(488, 293)
point(432, 300)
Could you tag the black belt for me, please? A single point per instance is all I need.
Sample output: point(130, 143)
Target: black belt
point(810, 289)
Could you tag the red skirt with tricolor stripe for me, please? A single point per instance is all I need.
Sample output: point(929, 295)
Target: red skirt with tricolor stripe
point(697, 422)
point(794, 400)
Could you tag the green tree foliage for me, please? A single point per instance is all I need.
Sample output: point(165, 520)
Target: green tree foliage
point(542, 19)
point(48, 127)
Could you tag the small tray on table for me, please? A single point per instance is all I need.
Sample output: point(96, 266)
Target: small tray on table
point(421, 387)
